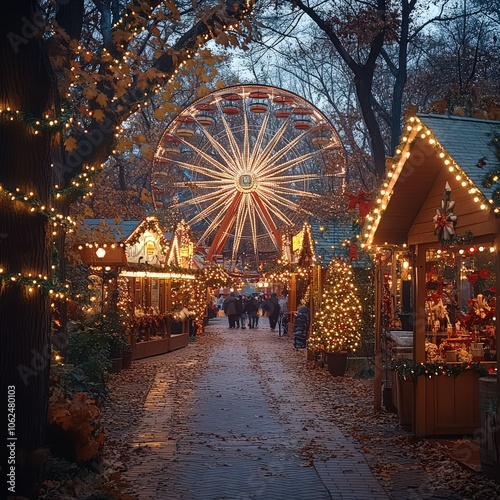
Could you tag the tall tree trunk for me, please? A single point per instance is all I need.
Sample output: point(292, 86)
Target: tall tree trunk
point(25, 244)
point(400, 75)
point(363, 83)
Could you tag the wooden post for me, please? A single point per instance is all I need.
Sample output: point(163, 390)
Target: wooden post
point(497, 330)
point(292, 296)
point(377, 381)
point(419, 413)
point(168, 294)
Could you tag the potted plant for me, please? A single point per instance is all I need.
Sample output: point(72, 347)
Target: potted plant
point(337, 321)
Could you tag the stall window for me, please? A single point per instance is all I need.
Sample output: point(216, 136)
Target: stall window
point(138, 292)
point(155, 293)
point(460, 304)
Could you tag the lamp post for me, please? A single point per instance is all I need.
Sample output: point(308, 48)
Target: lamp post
point(101, 252)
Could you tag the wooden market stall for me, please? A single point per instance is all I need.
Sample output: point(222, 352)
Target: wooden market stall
point(437, 229)
point(159, 284)
point(299, 255)
point(154, 280)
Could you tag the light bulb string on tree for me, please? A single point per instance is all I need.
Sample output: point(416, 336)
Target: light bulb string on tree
point(39, 124)
point(35, 282)
point(37, 207)
point(337, 320)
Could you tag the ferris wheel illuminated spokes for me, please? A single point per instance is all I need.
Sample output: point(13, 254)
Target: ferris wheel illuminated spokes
point(248, 172)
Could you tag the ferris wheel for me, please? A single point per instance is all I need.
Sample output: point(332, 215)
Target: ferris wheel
point(245, 164)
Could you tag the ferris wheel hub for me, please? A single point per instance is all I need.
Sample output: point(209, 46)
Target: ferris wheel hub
point(246, 182)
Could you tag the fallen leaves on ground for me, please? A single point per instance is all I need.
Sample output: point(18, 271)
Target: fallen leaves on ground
point(340, 403)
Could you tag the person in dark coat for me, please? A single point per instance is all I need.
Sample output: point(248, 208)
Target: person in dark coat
point(244, 312)
point(283, 318)
point(230, 307)
point(239, 306)
point(260, 310)
point(273, 310)
point(301, 327)
point(252, 309)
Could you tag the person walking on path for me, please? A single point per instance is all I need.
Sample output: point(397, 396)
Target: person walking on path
point(220, 302)
point(252, 307)
point(260, 310)
point(273, 310)
point(301, 327)
point(230, 307)
point(244, 312)
point(283, 317)
point(239, 310)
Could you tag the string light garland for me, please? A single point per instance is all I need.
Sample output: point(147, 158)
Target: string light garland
point(35, 206)
point(150, 224)
point(35, 282)
point(38, 124)
point(407, 369)
point(493, 176)
point(413, 128)
point(83, 183)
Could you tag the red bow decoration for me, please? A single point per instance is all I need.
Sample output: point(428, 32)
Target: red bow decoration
point(473, 278)
point(363, 200)
point(484, 273)
point(445, 220)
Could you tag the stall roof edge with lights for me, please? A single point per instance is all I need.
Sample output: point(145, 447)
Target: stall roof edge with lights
point(435, 149)
point(436, 213)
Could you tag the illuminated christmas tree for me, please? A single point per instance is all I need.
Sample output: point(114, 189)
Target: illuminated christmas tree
point(337, 322)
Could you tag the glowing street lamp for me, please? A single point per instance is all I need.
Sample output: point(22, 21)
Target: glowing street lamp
point(101, 252)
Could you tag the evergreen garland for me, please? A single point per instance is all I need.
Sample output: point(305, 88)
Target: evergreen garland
point(493, 176)
point(407, 369)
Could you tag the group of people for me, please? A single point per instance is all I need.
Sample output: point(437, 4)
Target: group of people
point(242, 310)
point(239, 309)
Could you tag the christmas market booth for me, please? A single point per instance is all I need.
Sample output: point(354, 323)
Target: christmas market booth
point(295, 271)
point(155, 285)
point(435, 235)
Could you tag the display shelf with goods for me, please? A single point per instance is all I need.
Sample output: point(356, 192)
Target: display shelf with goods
point(460, 304)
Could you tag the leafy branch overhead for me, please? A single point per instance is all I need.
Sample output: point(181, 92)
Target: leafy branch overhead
point(112, 70)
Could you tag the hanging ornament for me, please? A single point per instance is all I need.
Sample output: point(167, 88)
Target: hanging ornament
point(353, 251)
point(445, 220)
point(482, 162)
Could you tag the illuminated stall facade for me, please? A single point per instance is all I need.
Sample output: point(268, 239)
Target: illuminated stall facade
point(435, 235)
point(155, 283)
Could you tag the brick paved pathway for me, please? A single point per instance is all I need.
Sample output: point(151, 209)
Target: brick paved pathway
point(244, 427)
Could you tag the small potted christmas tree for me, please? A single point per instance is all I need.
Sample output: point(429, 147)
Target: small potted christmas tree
point(337, 322)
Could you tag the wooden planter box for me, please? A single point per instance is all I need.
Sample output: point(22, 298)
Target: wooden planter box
point(403, 396)
point(452, 404)
point(448, 405)
point(150, 348)
point(178, 341)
